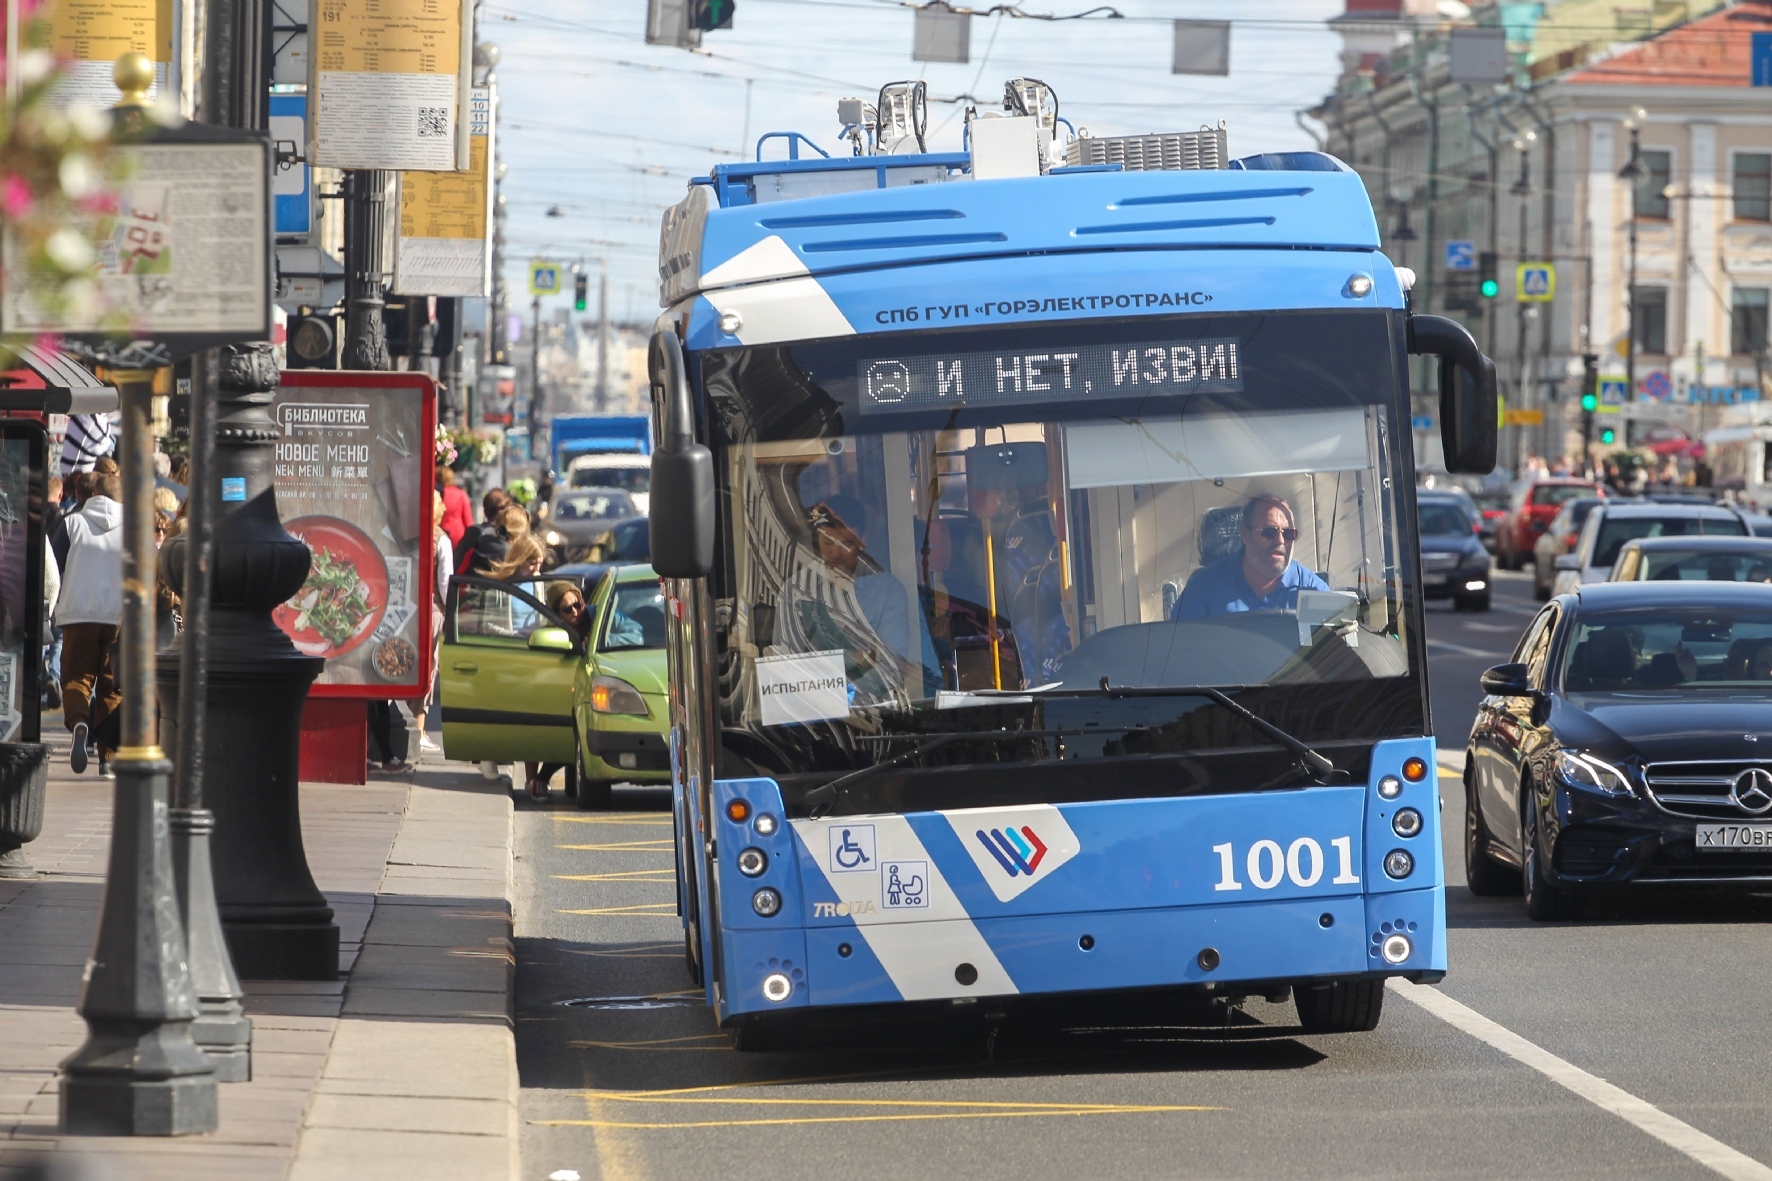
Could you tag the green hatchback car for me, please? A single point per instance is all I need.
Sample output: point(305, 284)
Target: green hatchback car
point(520, 683)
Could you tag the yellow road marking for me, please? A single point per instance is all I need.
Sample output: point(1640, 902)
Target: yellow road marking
point(666, 951)
point(653, 846)
point(642, 909)
point(993, 1104)
point(625, 875)
point(868, 1119)
point(645, 818)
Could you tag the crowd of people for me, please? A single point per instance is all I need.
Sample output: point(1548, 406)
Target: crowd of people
point(83, 585)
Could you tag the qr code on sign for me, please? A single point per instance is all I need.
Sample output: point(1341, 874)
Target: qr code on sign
point(433, 121)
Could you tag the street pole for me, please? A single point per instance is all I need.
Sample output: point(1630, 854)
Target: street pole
point(1632, 171)
point(366, 337)
point(139, 1073)
point(535, 378)
point(236, 721)
point(603, 335)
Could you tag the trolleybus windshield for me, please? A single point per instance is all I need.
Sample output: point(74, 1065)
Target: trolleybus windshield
point(937, 532)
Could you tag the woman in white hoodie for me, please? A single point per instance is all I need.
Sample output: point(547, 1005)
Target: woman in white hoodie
point(89, 612)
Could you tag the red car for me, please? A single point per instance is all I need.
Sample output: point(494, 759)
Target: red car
point(1533, 508)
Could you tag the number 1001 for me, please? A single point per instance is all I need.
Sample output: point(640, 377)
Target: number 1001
point(1303, 862)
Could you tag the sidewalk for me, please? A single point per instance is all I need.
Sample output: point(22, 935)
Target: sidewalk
point(405, 1066)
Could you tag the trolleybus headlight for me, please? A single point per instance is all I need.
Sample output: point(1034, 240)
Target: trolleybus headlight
point(1406, 823)
point(1390, 787)
point(731, 322)
point(765, 824)
point(1398, 864)
point(778, 988)
point(752, 862)
point(1359, 286)
point(1396, 950)
point(767, 902)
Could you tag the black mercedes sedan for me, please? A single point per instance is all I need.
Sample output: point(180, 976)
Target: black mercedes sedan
point(1627, 745)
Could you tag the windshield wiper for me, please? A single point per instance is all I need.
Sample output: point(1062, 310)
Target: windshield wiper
point(821, 798)
point(1320, 769)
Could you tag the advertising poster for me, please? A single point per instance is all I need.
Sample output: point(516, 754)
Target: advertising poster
point(22, 451)
point(354, 478)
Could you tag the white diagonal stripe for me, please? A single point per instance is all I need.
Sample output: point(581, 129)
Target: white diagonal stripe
point(920, 949)
point(1677, 1134)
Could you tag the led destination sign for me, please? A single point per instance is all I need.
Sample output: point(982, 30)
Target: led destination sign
point(1082, 371)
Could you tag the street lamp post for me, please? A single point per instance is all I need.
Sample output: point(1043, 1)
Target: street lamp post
point(139, 1072)
point(1633, 172)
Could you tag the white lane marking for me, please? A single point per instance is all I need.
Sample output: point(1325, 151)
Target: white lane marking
point(1460, 649)
point(1678, 1135)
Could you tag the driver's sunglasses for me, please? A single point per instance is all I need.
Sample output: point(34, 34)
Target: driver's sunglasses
point(572, 607)
point(1274, 532)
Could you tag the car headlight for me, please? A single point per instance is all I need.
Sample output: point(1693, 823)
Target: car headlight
point(1584, 770)
point(553, 538)
point(612, 695)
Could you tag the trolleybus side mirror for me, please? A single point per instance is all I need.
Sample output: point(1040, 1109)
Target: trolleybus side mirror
point(1468, 409)
point(681, 511)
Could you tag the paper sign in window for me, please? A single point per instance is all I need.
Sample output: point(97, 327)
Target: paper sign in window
point(804, 687)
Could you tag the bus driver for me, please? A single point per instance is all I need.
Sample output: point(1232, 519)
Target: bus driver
point(1263, 577)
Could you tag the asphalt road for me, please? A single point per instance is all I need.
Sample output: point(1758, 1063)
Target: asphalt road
point(1629, 1045)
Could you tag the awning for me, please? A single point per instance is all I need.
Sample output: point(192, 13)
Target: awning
point(52, 382)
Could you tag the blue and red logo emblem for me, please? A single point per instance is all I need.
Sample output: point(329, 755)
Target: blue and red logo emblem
point(1018, 852)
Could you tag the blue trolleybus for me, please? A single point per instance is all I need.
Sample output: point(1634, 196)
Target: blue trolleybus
point(1038, 531)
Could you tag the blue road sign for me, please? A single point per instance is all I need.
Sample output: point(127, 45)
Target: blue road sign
point(1762, 57)
point(1422, 422)
point(292, 198)
point(1611, 393)
point(1461, 256)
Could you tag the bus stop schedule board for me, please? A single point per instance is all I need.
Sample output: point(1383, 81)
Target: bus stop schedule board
point(354, 478)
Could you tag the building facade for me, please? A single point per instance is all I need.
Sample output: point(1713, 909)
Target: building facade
point(1623, 155)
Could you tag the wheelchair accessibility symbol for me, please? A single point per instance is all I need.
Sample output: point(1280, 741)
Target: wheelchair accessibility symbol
point(852, 848)
point(906, 884)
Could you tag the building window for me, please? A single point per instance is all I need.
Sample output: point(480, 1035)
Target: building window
point(1649, 319)
point(1657, 175)
point(1753, 187)
point(1747, 320)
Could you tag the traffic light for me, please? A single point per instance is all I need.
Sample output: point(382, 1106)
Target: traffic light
point(1608, 436)
point(708, 15)
point(1589, 403)
point(1486, 281)
point(580, 286)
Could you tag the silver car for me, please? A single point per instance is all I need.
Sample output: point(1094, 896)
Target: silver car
point(1613, 523)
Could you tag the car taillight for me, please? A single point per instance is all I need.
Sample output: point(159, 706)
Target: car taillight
point(1570, 540)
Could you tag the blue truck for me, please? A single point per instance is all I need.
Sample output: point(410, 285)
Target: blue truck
point(576, 435)
point(1045, 598)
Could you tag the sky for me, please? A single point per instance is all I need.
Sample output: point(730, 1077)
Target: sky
point(608, 130)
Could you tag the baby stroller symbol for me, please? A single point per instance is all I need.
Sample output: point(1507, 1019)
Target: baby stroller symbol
point(906, 883)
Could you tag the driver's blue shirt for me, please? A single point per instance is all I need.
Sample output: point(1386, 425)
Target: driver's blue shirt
point(1221, 589)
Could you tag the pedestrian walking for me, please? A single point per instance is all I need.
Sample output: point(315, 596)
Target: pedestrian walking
point(89, 610)
point(443, 569)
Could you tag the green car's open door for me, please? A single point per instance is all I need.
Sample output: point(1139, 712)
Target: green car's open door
point(507, 670)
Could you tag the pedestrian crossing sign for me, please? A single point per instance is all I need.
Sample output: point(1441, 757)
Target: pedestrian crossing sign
point(1535, 282)
point(544, 278)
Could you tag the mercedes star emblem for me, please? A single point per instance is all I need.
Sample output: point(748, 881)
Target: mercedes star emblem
point(1752, 791)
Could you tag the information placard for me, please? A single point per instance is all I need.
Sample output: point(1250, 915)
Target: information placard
point(88, 36)
point(185, 255)
point(445, 245)
point(355, 481)
point(390, 79)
